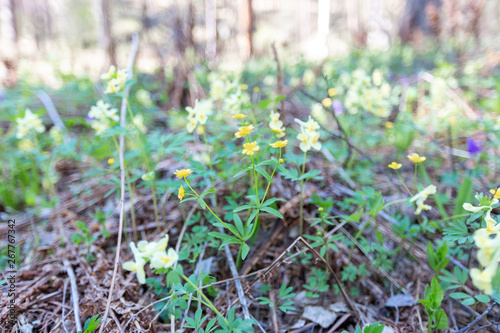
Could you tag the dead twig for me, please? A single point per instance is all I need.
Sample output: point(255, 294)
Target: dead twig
point(123, 123)
point(477, 319)
point(74, 294)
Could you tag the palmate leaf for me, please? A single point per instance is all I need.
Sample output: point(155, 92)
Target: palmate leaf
point(457, 232)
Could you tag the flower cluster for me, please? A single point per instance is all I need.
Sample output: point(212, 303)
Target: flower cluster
point(485, 204)
point(363, 92)
point(155, 253)
point(30, 123)
point(420, 198)
point(309, 135)
point(198, 115)
point(116, 80)
point(102, 115)
point(276, 125)
point(489, 248)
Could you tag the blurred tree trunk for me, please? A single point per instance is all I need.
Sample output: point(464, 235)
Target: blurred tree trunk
point(420, 16)
point(211, 31)
point(103, 21)
point(9, 38)
point(323, 26)
point(246, 20)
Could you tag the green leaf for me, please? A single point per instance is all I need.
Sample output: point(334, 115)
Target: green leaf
point(459, 295)
point(201, 203)
point(244, 207)
point(263, 173)
point(272, 211)
point(271, 201)
point(468, 301)
point(244, 250)
point(482, 298)
point(441, 322)
point(464, 195)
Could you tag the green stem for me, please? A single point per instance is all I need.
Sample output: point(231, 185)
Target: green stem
point(205, 298)
point(415, 179)
point(209, 209)
point(212, 177)
point(131, 193)
point(147, 162)
point(393, 202)
point(301, 208)
point(402, 182)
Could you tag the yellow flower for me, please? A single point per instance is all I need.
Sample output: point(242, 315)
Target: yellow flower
point(496, 193)
point(244, 131)
point(389, 124)
point(250, 148)
point(279, 144)
point(111, 161)
point(183, 173)
point(239, 116)
point(243, 86)
point(332, 92)
point(327, 102)
point(395, 165)
point(181, 193)
point(416, 158)
point(256, 89)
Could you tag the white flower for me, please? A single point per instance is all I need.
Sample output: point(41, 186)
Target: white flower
point(482, 279)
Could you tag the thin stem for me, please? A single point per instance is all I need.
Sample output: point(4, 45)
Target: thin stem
point(131, 193)
point(205, 298)
point(147, 162)
point(415, 179)
point(209, 209)
point(402, 182)
point(301, 208)
point(212, 177)
point(393, 202)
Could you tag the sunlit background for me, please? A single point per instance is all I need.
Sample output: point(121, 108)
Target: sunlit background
point(42, 37)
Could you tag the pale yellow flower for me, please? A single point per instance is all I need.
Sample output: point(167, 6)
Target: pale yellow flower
point(487, 246)
point(491, 225)
point(239, 116)
point(332, 92)
point(250, 148)
point(161, 260)
point(482, 279)
point(421, 196)
point(136, 266)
